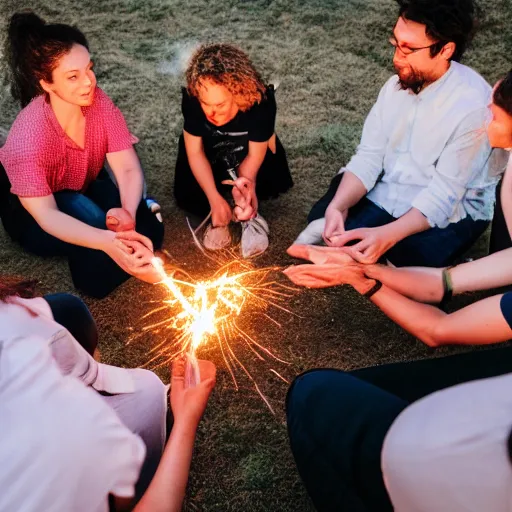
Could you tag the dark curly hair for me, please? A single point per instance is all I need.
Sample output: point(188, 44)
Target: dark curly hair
point(445, 20)
point(229, 66)
point(503, 94)
point(33, 49)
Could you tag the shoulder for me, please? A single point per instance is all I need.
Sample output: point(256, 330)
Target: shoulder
point(31, 134)
point(31, 123)
point(471, 89)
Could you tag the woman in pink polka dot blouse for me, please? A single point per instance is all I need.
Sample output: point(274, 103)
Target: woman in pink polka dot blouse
point(55, 195)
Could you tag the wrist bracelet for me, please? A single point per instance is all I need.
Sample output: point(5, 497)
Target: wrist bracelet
point(373, 290)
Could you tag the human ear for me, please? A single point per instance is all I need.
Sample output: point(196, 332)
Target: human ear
point(47, 87)
point(448, 50)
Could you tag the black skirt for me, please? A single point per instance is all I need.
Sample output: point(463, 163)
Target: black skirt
point(273, 178)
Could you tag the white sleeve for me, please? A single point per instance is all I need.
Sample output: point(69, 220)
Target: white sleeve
point(368, 162)
point(464, 158)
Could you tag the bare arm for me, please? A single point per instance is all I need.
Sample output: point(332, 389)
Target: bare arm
point(252, 162)
point(129, 176)
point(350, 191)
point(481, 323)
point(167, 489)
point(63, 226)
point(200, 166)
point(424, 284)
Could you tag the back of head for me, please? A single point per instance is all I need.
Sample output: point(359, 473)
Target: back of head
point(11, 286)
point(503, 94)
point(229, 66)
point(33, 49)
point(445, 20)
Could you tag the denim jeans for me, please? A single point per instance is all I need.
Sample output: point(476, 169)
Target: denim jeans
point(435, 247)
point(337, 421)
point(93, 272)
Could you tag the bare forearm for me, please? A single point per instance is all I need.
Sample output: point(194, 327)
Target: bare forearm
point(422, 284)
point(418, 319)
point(408, 224)
point(202, 171)
point(250, 166)
point(130, 185)
point(73, 231)
point(167, 489)
point(350, 191)
point(486, 273)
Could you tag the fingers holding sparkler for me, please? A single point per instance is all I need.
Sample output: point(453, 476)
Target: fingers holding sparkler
point(189, 403)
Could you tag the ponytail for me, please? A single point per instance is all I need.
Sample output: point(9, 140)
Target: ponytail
point(33, 49)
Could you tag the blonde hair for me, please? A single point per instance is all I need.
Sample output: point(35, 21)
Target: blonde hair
point(230, 67)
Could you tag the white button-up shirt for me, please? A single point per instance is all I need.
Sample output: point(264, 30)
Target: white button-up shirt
point(433, 149)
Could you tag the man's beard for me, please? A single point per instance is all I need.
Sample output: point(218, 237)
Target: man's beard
point(414, 82)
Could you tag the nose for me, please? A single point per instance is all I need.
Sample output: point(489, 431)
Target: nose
point(87, 80)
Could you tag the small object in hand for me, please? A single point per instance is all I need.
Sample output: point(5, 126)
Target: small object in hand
point(154, 207)
point(192, 372)
point(119, 219)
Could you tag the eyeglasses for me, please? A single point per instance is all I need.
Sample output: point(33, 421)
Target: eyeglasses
point(406, 50)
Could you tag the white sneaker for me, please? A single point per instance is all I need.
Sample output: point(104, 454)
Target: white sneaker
point(312, 235)
point(254, 239)
point(217, 238)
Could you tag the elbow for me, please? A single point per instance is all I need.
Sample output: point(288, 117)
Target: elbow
point(436, 336)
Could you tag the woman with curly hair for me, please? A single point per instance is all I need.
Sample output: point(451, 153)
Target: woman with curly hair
point(229, 117)
point(55, 195)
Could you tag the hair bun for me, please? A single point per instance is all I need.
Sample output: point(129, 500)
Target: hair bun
point(25, 24)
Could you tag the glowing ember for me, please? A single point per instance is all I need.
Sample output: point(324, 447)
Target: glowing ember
point(208, 310)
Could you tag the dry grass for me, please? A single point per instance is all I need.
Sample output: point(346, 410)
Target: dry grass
point(331, 59)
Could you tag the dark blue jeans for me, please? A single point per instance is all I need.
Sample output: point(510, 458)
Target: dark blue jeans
point(72, 313)
point(435, 247)
point(337, 421)
point(93, 272)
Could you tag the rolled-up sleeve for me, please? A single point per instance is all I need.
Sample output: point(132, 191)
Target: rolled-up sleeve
point(464, 158)
point(368, 161)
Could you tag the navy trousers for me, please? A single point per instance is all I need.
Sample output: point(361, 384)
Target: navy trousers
point(93, 272)
point(337, 421)
point(435, 247)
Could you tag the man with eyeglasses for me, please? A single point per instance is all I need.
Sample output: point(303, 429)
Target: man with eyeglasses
point(420, 188)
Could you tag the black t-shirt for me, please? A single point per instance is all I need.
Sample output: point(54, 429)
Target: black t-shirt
point(226, 146)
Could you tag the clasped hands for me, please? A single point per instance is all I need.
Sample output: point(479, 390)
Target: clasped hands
point(132, 251)
point(331, 266)
point(372, 243)
point(246, 203)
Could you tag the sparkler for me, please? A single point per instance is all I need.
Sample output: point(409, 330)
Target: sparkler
point(209, 310)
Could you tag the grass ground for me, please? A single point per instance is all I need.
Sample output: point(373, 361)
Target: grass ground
point(330, 58)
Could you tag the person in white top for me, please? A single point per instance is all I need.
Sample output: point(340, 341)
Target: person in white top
point(75, 431)
point(420, 188)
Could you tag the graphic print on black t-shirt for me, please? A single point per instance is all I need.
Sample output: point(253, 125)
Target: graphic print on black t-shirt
point(227, 149)
point(226, 146)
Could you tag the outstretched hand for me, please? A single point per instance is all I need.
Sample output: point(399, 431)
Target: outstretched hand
point(332, 266)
